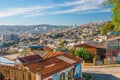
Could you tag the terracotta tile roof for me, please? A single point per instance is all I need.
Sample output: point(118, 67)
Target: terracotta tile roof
point(52, 65)
point(29, 59)
point(52, 54)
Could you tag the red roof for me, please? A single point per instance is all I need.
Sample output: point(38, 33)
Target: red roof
point(52, 54)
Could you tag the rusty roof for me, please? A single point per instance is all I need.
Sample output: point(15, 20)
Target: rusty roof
point(52, 54)
point(29, 59)
point(52, 65)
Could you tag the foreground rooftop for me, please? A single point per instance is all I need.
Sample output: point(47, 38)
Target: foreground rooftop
point(53, 65)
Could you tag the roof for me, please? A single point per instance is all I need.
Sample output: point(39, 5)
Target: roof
point(12, 57)
point(47, 48)
point(6, 61)
point(52, 54)
point(53, 65)
point(94, 45)
point(114, 37)
point(36, 47)
point(40, 47)
point(29, 59)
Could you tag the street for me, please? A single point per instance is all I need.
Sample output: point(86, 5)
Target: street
point(103, 73)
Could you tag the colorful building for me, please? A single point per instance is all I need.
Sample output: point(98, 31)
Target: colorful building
point(113, 49)
point(97, 49)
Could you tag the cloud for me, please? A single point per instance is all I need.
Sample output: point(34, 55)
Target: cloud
point(96, 11)
point(78, 2)
point(77, 9)
point(76, 6)
point(20, 11)
point(81, 5)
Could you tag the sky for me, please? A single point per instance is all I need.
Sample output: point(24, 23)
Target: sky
point(54, 12)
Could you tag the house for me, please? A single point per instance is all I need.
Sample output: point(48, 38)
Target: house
point(98, 49)
point(113, 49)
point(61, 67)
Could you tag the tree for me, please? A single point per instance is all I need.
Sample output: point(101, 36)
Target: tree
point(115, 4)
point(83, 53)
point(106, 28)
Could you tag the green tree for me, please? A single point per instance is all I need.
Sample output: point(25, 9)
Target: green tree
point(83, 53)
point(115, 4)
point(106, 28)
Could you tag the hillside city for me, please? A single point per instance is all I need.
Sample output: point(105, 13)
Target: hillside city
point(60, 40)
point(26, 50)
point(41, 35)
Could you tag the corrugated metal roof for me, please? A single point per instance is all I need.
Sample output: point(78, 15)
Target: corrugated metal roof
point(29, 59)
point(53, 65)
point(68, 60)
point(52, 54)
point(6, 61)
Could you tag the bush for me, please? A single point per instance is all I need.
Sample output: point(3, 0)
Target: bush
point(83, 53)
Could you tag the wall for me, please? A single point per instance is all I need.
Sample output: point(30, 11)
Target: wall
point(89, 64)
point(111, 59)
point(16, 73)
point(72, 73)
point(92, 50)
